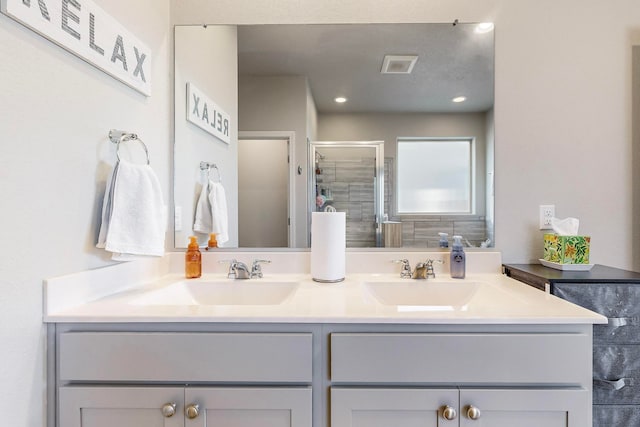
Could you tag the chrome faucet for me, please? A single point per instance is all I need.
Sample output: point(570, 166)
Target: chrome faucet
point(429, 267)
point(405, 270)
point(421, 271)
point(237, 269)
point(256, 268)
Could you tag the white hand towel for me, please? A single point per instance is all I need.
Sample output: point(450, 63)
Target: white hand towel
point(219, 213)
point(137, 222)
point(203, 220)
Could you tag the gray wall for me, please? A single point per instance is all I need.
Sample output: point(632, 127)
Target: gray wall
point(281, 103)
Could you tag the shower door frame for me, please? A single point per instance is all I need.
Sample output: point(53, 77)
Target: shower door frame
point(378, 180)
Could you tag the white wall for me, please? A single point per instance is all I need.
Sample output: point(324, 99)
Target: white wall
point(56, 112)
point(206, 57)
point(563, 103)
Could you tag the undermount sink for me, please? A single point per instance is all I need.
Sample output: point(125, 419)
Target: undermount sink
point(223, 292)
point(424, 293)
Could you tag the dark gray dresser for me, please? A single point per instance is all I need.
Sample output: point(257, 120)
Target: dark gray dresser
point(613, 293)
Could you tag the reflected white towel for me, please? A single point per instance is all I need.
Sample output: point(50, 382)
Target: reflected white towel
point(203, 219)
point(219, 213)
point(133, 214)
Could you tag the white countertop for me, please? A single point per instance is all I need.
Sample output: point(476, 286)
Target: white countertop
point(496, 300)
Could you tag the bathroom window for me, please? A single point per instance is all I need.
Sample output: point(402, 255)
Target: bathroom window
point(435, 175)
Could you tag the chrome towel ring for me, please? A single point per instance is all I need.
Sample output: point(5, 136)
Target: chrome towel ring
point(119, 136)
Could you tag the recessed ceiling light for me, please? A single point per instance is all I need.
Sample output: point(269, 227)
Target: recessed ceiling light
point(484, 27)
point(340, 99)
point(459, 99)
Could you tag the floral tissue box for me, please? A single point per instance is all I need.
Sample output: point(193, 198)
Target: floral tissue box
point(566, 249)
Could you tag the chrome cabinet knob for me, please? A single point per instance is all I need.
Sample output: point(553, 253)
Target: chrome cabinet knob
point(168, 410)
point(473, 412)
point(192, 411)
point(448, 413)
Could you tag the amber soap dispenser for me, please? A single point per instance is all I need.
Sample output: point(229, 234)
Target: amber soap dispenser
point(193, 260)
point(213, 243)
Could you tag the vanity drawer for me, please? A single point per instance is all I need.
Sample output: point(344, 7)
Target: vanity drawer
point(618, 302)
point(185, 357)
point(616, 374)
point(460, 358)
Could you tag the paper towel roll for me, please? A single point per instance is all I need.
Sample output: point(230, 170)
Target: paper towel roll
point(328, 243)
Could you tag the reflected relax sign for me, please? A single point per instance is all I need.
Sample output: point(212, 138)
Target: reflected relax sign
point(87, 31)
point(206, 114)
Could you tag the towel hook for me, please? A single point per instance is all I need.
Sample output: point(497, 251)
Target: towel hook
point(208, 166)
point(118, 136)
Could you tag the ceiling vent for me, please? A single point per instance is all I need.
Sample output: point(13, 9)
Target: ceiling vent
point(398, 64)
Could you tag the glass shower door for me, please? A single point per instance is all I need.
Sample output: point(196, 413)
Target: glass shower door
point(348, 177)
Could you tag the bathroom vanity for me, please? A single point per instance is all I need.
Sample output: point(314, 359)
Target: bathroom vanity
point(373, 350)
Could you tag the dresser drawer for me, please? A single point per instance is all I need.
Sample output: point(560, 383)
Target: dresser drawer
point(616, 374)
point(459, 358)
point(618, 302)
point(616, 416)
point(185, 357)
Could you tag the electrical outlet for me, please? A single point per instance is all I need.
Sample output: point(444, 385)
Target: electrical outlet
point(546, 213)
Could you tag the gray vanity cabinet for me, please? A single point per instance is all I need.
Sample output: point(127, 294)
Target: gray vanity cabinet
point(614, 293)
point(371, 373)
point(250, 407)
point(373, 407)
point(185, 379)
point(120, 406)
point(321, 375)
point(383, 407)
point(184, 407)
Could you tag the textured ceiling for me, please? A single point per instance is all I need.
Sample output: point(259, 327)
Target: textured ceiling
point(346, 60)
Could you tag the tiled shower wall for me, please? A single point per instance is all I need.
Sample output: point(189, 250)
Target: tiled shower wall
point(349, 187)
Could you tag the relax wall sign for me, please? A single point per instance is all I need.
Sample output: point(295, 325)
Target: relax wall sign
point(87, 31)
point(206, 114)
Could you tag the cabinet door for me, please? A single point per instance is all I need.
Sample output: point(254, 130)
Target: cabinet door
point(120, 406)
point(525, 408)
point(351, 407)
point(249, 407)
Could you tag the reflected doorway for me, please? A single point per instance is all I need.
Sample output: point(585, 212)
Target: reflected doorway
point(348, 176)
point(263, 192)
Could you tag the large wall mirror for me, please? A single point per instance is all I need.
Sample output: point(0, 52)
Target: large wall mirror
point(422, 93)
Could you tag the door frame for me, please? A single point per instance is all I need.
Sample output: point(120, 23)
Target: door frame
point(291, 137)
point(378, 186)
